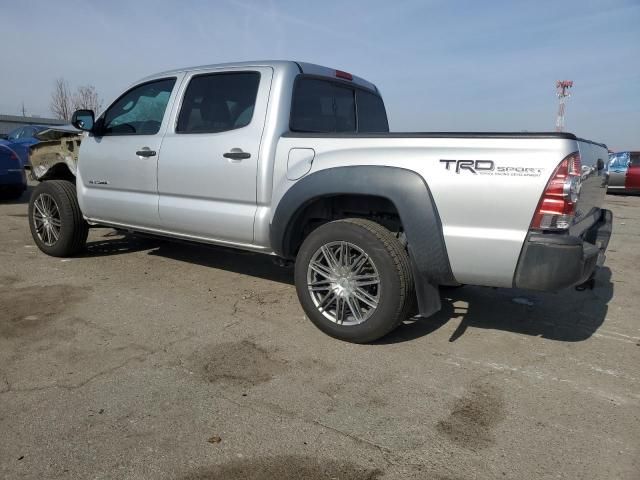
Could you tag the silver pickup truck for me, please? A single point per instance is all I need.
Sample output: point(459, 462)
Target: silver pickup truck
point(296, 160)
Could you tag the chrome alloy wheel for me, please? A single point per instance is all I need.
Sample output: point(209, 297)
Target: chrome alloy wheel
point(343, 283)
point(46, 219)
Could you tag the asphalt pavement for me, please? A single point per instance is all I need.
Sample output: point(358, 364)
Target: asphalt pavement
point(146, 359)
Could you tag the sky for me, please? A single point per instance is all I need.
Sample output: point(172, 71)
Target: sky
point(440, 65)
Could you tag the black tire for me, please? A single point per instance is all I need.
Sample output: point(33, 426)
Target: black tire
point(395, 290)
point(73, 229)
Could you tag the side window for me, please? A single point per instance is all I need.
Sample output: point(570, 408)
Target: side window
point(372, 116)
point(15, 134)
point(218, 102)
point(139, 111)
point(619, 160)
point(635, 160)
point(321, 106)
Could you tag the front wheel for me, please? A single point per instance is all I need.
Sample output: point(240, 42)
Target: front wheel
point(55, 219)
point(354, 280)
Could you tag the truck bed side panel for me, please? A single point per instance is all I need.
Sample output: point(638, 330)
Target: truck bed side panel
point(485, 213)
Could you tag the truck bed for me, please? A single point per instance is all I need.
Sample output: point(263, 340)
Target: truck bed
point(485, 215)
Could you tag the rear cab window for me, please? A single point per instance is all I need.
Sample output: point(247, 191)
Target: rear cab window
point(372, 116)
point(322, 105)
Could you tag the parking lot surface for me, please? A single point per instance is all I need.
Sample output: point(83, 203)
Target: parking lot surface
point(149, 359)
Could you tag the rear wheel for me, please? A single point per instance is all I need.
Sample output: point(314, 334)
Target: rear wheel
point(353, 280)
point(55, 219)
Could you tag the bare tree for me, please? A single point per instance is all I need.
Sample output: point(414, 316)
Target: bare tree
point(87, 97)
point(64, 103)
point(61, 101)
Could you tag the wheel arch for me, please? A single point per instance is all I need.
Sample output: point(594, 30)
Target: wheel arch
point(58, 171)
point(329, 206)
point(404, 189)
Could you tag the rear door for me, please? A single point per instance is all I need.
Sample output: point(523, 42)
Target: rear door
point(632, 179)
point(210, 154)
point(118, 165)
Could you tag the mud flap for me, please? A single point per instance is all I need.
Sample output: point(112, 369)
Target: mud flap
point(427, 294)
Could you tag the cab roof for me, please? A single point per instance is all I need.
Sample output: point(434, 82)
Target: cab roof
point(301, 67)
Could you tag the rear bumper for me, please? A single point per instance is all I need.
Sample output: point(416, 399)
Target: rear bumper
point(551, 261)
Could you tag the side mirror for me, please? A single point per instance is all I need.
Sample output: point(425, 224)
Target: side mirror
point(83, 120)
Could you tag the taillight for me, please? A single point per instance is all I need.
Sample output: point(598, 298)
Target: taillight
point(10, 153)
point(557, 207)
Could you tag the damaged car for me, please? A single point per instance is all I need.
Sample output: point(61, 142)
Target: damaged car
point(56, 155)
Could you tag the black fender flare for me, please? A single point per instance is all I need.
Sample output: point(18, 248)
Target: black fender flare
point(411, 196)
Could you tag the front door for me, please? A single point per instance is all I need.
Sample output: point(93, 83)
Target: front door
point(210, 153)
point(117, 169)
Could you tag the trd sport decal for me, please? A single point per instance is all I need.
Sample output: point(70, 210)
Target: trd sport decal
point(488, 167)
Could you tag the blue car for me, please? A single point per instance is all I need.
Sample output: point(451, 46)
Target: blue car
point(13, 179)
point(20, 139)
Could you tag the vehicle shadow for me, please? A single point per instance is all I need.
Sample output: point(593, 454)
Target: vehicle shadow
point(21, 200)
point(229, 259)
point(567, 316)
point(114, 242)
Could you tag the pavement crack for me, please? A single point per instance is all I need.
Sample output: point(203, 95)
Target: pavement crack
point(385, 452)
point(389, 456)
point(140, 357)
point(234, 311)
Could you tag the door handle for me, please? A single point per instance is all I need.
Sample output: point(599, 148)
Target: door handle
point(237, 154)
point(146, 152)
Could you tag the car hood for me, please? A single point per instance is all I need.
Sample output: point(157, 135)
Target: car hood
point(58, 132)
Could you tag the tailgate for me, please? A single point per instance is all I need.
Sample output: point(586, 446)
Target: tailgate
point(593, 159)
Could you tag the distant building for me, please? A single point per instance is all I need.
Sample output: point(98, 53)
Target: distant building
point(9, 122)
